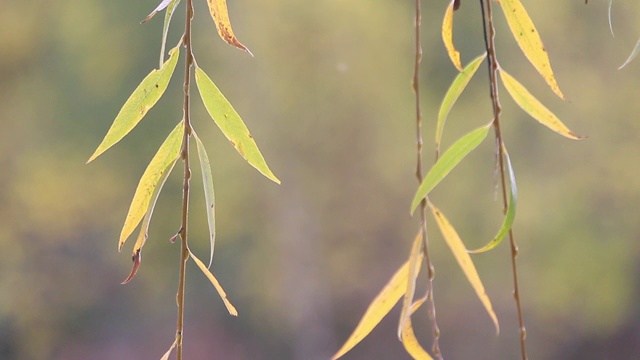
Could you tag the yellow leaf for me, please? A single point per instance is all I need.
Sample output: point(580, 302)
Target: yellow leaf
point(529, 41)
point(447, 37)
point(411, 343)
point(150, 180)
point(464, 260)
point(378, 309)
point(232, 310)
point(220, 15)
point(168, 353)
point(533, 107)
point(414, 267)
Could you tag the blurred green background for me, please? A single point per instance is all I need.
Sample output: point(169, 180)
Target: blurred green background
point(329, 101)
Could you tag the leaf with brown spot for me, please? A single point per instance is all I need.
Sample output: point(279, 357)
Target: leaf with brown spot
point(220, 15)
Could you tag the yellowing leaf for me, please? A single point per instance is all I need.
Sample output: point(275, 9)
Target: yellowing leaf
point(168, 353)
point(220, 15)
point(152, 177)
point(634, 53)
point(511, 210)
point(411, 343)
point(447, 37)
point(457, 87)
point(533, 107)
point(232, 310)
point(228, 120)
point(448, 161)
point(464, 260)
point(529, 41)
point(378, 309)
point(143, 98)
point(414, 268)
point(209, 196)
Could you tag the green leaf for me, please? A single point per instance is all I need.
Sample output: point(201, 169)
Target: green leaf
point(533, 107)
point(228, 120)
point(634, 53)
point(457, 87)
point(223, 295)
point(511, 210)
point(529, 41)
point(464, 261)
point(209, 196)
point(151, 179)
point(414, 269)
point(165, 28)
point(379, 307)
point(449, 160)
point(143, 98)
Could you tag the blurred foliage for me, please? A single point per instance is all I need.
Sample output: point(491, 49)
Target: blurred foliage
point(328, 94)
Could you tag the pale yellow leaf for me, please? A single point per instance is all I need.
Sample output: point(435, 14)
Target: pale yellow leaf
point(414, 268)
point(220, 15)
point(464, 261)
point(533, 107)
point(447, 37)
point(168, 353)
point(411, 343)
point(232, 310)
point(529, 41)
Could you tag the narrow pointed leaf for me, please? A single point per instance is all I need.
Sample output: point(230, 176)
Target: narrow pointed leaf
point(232, 310)
point(151, 178)
point(448, 161)
point(168, 353)
point(610, 22)
point(143, 98)
point(165, 28)
point(160, 7)
point(378, 309)
point(634, 53)
point(533, 107)
point(447, 36)
point(220, 15)
point(228, 120)
point(209, 196)
point(414, 269)
point(457, 87)
point(411, 343)
point(529, 41)
point(511, 210)
point(137, 258)
point(464, 261)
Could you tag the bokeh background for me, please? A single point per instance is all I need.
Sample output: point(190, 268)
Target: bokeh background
point(328, 99)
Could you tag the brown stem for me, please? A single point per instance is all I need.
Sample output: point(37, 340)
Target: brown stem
point(423, 205)
point(184, 250)
point(489, 35)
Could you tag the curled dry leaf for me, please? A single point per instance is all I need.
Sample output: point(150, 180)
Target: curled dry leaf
point(137, 257)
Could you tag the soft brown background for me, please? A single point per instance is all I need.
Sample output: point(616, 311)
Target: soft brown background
point(328, 99)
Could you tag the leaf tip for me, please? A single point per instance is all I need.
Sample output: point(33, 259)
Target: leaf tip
point(134, 269)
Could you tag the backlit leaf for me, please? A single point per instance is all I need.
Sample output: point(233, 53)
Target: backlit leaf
point(414, 268)
point(533, 107)
point(228, 120)
point(447, 37)
point(209, 196)
point(464, 261)
point(152, 177)
point(379, 308)
point(448, 161)
point(232, 310)
point(163, 4)
point(529, 41)
point(143, 98)
point(457, 87)
point(634, 53)
point(220, 15)
point(511, 210)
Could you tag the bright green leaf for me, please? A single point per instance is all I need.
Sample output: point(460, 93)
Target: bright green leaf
point(379, 308)
point(143, 98)
point(529, 41)
point(209, 196)
point(414, 269)
point(511, 210)
point(223, 295)
point(447, 37)
point(231, 124)
point(449, 160)
point(533, 107)
point(220, 15)
point(152, 178)
point(634, 53)
point(457, 87)
point(464, 261)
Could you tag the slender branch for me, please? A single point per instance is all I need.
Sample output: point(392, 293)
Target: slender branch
point(184, 250)
point(489, 35)
point(423, 205)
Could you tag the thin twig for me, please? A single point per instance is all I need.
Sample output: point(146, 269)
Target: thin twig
point(489, 35)
point(423, 205)
point(184, 250)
